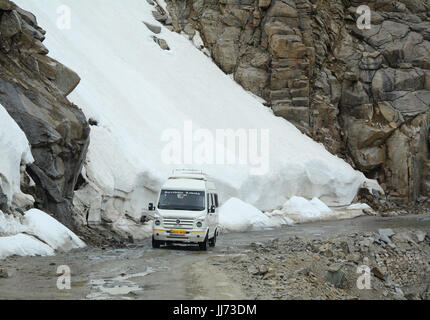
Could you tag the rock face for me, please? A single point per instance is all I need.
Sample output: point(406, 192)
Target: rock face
point(33, 89)
point(363, 93)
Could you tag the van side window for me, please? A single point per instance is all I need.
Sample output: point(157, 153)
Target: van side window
point(210, 202)
point(216, 200)
point(213, 199)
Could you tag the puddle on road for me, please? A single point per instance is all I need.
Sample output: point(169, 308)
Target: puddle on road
point(115, 288)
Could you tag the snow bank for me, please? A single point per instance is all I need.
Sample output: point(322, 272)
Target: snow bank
point(36, 233)
point(50, 231)
point(136, 92)
point(301, 210)
point(238, 216)
point(23, 245)
point(10, 225)
point(358, 206)
point(15, 150)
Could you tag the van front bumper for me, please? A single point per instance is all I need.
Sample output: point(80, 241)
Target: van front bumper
point(191, 236)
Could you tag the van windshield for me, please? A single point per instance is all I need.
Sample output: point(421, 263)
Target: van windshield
point(182, 200)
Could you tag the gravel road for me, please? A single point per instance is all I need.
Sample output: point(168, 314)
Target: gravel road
point(140, 272)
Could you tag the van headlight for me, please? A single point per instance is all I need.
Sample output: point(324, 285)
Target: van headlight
point(157, 222)
point(200, 221)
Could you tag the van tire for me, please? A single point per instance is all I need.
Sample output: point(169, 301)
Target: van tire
point(212, 242)
point(155, 243)
point(204, 245)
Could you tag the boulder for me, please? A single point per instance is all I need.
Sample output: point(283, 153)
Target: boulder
point(371, 61)
point(6, 5)
point(390, 114)
point(353, 94)
point(385, 235)
point(335, 275)
point(225, 53)
point(28, 17)
point(369, 158)
point(66, 79)
point(412, 104)
point(161, 42)
point(153, 28)
point(159, 16)
point(366, 135)
point(10, 24)
point(299, 116)
point(283, 9)
point(252, 79)
point(272, 27)
point(287, 46)
point(264, 3)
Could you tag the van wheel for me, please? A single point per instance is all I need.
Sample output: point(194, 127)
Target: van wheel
point(204, 245)
point(212, 241)
point(155, 243)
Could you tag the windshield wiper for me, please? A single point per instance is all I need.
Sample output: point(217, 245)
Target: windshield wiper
point(171, 208)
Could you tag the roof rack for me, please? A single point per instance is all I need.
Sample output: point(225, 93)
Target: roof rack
point(188, 174)
point(189, 171)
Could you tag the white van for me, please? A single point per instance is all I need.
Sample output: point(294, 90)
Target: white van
point(187, 210)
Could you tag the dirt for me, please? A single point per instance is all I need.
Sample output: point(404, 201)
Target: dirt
point(179, 272)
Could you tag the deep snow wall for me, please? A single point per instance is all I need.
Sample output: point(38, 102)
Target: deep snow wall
point(16, 151)
point(138, 93)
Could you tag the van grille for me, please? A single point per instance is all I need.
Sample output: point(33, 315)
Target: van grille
point(183, 223)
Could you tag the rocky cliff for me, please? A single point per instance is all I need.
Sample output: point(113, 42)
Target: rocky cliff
point(363, 93)
point(33, 89)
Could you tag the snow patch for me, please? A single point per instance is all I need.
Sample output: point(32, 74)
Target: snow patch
point(238, 216)
point(10, 224)
point(301, 210)
point(358, 206)
point(36, 233)
point(15, 150)
point(50, 231)
point(23, 245)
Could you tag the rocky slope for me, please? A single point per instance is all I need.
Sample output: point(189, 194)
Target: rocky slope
point(33, 89)
point(320, 268)
point(363, 93)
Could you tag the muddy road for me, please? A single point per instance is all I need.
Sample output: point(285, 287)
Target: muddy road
point(174, 272)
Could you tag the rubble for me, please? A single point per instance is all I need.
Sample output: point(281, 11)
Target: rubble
point(329, 269)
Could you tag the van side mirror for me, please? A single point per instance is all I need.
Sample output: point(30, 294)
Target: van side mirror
point(212, 209)
point(151, 207)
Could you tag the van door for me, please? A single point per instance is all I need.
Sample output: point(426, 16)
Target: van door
point(211, 216)
point(216, 210)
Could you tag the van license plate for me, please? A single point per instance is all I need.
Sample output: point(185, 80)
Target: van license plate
point(178, 232)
